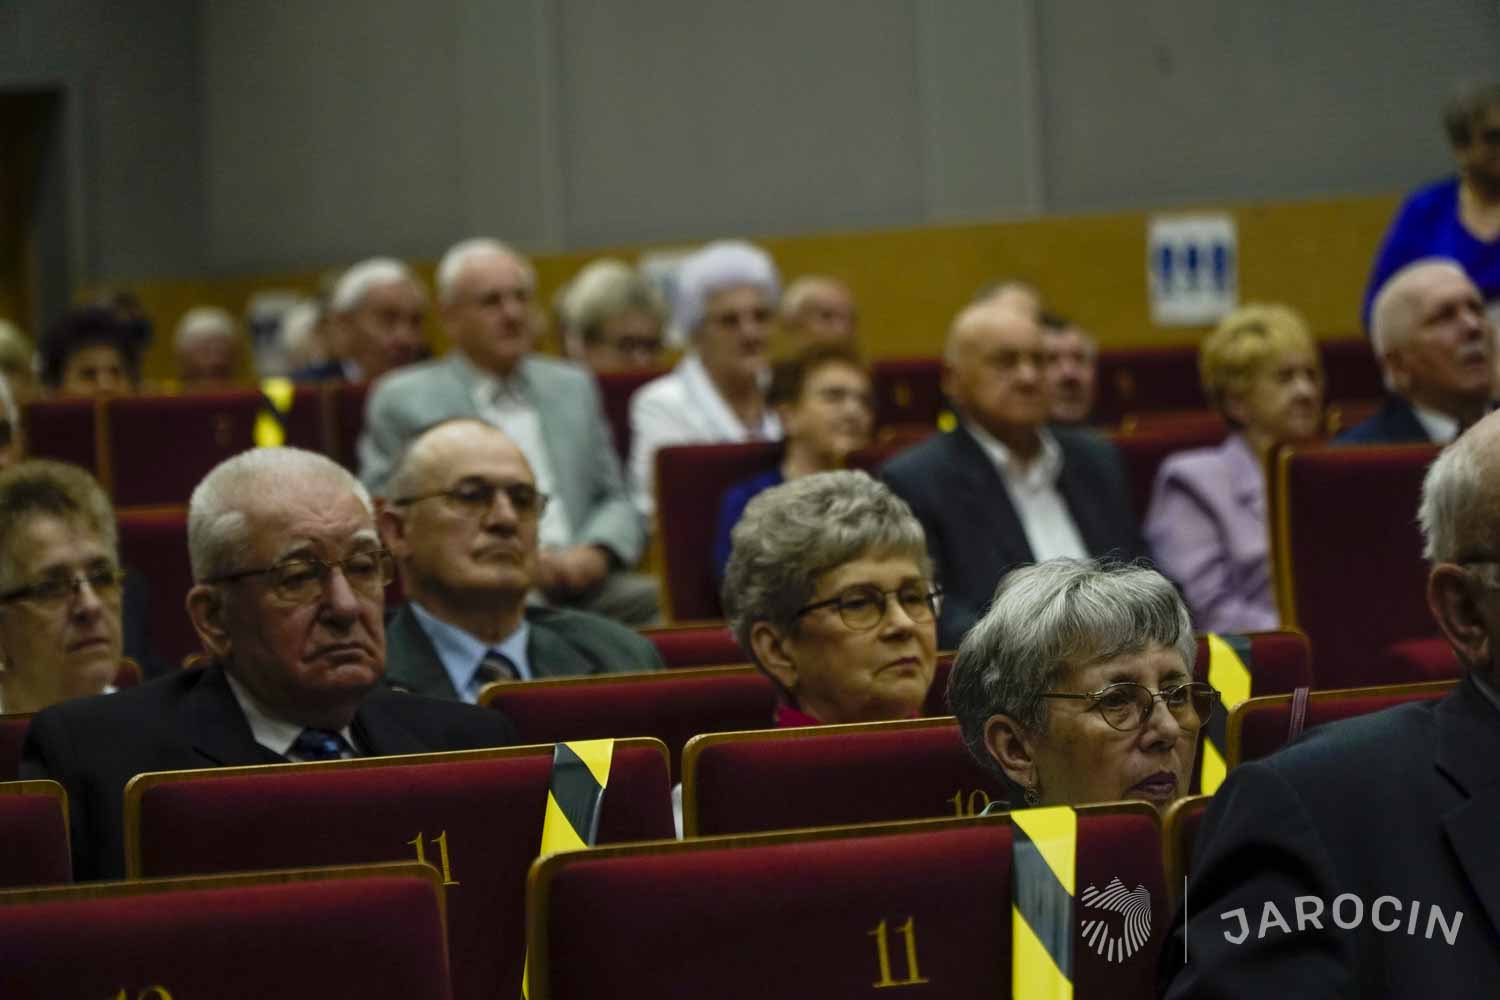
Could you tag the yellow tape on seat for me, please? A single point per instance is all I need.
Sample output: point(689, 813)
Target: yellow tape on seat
point(1044, 853)
point(1229, 675)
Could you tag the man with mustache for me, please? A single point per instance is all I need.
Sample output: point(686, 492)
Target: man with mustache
point(1436, 349)
point(461, 515)
point(289, 590)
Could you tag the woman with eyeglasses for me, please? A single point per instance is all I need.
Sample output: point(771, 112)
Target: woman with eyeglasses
point(60, 587)
point(829, 590)
point(1077, 686)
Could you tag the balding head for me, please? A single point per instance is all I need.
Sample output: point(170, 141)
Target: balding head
point(993, 365)
point(819, 310)
point(1433, 340)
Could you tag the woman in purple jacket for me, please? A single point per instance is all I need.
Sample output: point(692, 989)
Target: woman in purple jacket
point(1206, 523)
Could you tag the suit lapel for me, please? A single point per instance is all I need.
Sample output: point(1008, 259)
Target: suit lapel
point(378, 730)
point(410, 660)
point(217, 726)
point(983, 503)
point(1468, 746)
point(550, 656)
point(1086, 513)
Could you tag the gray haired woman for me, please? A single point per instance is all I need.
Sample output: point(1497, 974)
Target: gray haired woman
point(829, 590)
point(1057, 687)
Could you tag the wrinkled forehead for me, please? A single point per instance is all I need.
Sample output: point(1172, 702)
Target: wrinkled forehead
point(323, 519)
point(469, 449)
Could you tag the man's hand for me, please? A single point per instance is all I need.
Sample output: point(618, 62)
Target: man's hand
point(565, 572)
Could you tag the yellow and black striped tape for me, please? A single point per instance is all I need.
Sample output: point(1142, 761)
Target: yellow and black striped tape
point(268, 430)
point(1229, 672)
point(1044, 852)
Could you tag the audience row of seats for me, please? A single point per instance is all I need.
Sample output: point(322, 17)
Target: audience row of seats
point(878, 902)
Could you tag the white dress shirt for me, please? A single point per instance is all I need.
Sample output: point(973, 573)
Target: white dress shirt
point(1439, 426)
point(276, 735)
point(1045, 518)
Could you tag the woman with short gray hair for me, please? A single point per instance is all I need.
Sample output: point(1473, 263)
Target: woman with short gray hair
point(1056, 687)
point(808, 589)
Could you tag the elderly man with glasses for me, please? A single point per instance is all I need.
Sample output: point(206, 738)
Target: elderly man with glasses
point(288, 599)
point(461, 516)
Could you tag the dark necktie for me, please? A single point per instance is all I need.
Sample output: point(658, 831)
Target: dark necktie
point(495, 666)
point(319, 744)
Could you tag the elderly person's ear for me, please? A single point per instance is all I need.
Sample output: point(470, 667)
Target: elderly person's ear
point(770, 651)
point(1012, 749)
point(1451, 598)
point(205, 607)
point(392, 528)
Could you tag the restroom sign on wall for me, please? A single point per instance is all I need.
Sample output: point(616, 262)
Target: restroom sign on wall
point(1192, 268)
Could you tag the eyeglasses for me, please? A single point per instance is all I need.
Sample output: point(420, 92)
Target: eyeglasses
point(740, 319)
point(1127, 706)
point(298, 581)
point(54, 591)
point(476, 497)
point(863, 607)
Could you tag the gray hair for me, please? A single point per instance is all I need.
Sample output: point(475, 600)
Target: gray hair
point(451, 268)
point(603, 289)
point(1452, 493)
point(203, 323)
point(354, 284)
point(792, 534)
point(717, 266)
point(798, 292)
point(43, 487)
point(8, 406)
point(1393, 313)
point(218, 528)
point(1049, 618)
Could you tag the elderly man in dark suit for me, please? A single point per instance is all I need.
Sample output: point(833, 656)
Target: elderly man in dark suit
point(1437, 351)
point(1002, 488)
point(1309, 879)
point(289, 590)
point(461, 518)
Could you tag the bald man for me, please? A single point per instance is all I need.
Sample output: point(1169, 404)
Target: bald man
point(820, 310)
point(1002, 488)
point(462, 519)
point(1436, 349)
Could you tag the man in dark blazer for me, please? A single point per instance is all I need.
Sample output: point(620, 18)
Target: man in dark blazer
point(375, 317)
point(1310, 879)
point(289, 588)
point(461, 520)
point(1436, 349)
point(1002, 488)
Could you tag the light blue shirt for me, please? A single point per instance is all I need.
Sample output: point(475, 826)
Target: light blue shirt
point(460, 653)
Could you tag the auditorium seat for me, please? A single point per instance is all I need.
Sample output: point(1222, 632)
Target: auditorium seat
point(1146, 378)
point(155, 449)
point(34, 818)
point(1341, 414)
point(348, 409)
point(375, 931)
point(1280, 662)
point(1143, 451)
point(907, 391)
point(1207, 422)
point(615, 390)
point(477, 815)
point(1346, 555)
point(309, 422)
point(1423, 659)
point(153, 542)
point(838, 912)
point(691, 481)
point(12, 737)
point(1350, 370)
point(1179, 833)
point(1259, 727)
point(63, 429)
point(709, 645)
point(776, 779)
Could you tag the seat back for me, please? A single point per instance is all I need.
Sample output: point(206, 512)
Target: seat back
point(1146, 378)
point(477, 815)
point(154, 541)
point(1422, 660)
point(907, 391)
point(1143, 451)
point(781, 779)
point(1347, 555)
point(696, 645)
point(1259, 727)
point(829, 913)
point(202, 429)
point(375, 931)
point(1179, 833)
point(1350, 370)
point(34, 816)
point(615, 390)
point(1280, 661)
point(63, 429)
point(691, 481)
point(309, 422)
point(12, 737)
point(347, 421)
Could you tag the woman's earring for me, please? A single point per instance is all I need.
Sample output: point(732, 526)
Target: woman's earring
point(1031, 795)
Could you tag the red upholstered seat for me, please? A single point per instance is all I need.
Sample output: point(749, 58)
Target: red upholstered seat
point(12, 737)
point(1350, 370)
point(779, 779)
point(1423, 659)
point(1144, 451)
point(1342, 414)
point(1347, 555)
point(690, 483)
point(907, 391)
point(696, 645)
point(615, 390)
point(672, 706)
point(1280, 662)
point(1258, 727)
point(197, 431)
point(304, 935)
point(309, 421)
point(1147, 378)
point(63, 429)
point(1179, 833)
point(34, 818)
point(154, 542)
point(477, 815)
point(347, 422)
point(1207, 422)
point(833, 913)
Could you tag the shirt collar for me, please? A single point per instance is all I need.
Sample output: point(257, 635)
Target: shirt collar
point(486, 385)
point(1043, 471)
point(700, 385)
point(460, 653)
point(1439, 426)
point(276, 735)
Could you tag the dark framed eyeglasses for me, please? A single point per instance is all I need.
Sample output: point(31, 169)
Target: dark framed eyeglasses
point(475, 497)
point(300, 580)
point(863, 607)
point(1126, 706)
point(56, 590)
point(741, 319)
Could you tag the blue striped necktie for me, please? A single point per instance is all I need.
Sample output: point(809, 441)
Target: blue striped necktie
point(495, 666)
point(320, 744)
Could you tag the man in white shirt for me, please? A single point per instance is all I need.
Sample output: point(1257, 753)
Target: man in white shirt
point(1002, 488)
point(1436, 348)
point(590, 535)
